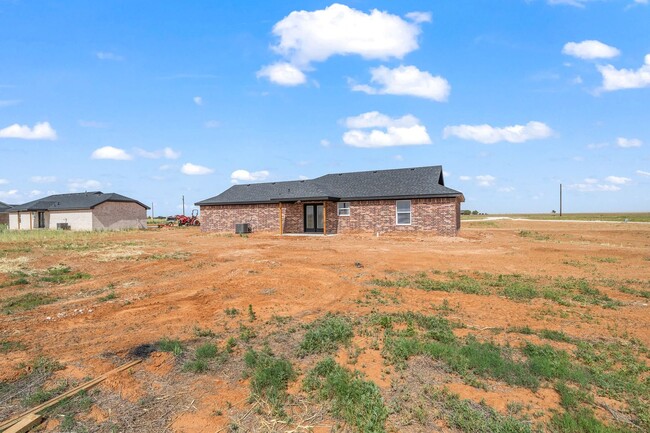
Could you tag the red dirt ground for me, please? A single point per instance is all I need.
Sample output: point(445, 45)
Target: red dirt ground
point(167, 282)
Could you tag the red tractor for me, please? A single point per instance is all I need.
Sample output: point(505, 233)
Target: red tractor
point(193, 220)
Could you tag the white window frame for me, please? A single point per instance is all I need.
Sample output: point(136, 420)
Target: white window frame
point(339, 208)
point(398, 212)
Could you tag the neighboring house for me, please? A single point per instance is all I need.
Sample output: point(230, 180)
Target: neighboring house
point(408, 199)
point(79, 211)
point(4, 213)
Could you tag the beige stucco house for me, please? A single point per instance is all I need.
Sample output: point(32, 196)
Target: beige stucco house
point(80, 211)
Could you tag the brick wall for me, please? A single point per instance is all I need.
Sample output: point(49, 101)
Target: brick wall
point(430, 214)
point(441, 215)
point(116, 215)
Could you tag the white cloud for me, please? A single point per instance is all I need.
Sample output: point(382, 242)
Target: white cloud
point(643, 173)
point(198, 100)
point(618, 180)
point(194, 170)
point(302, 177)
point(574, 3)
point(465, 178)
point(105, 55)
point(43, 179)
point(247, 176)
point(283, 74)
point(485, 180)
point(110, 152)
point(398, 158)
point(40, 131)
point(167, 153)
point(307, 37)
point(617, 79)
point(490, 134)
point(593, 146)
point(35, 193)
point(406, 80)
point(373, 119)
point(212, 124)
point(419, 17)
point(590, 49)
point(11, 194)
point(83, 185)
point(628, 142)
point(325, 143)
point(591, 180)
point(92, 124)
point(3, 181)
point(592, 187)
point(402, 131)
point(8, 102)
point(506, 189)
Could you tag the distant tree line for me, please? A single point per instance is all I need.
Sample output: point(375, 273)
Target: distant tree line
point(471, 212)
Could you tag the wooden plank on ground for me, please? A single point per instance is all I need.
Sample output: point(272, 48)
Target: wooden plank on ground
point(25, 424)
point(66, 394)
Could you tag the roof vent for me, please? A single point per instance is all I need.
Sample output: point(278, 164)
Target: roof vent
point(375, 171)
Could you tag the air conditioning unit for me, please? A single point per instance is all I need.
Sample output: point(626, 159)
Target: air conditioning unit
point(62, 226)
point(242, 228)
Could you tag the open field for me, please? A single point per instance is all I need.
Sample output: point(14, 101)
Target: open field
point(514, 326)
point(613, 217)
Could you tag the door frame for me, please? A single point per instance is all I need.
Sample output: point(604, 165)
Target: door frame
point(316, 228)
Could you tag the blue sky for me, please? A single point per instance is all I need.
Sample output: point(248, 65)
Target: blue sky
point(156, 100)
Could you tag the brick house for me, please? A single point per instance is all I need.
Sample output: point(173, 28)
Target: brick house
point(80, 211)
point(409, 199)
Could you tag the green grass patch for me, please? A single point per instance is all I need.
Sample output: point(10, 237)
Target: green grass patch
point(169, 345)
point(583, 421)
point(326, 335)
point(25, 302)
point(270, 377)
point(534, 235)
point(111, 296)
point(471, 417)
point(63, 274)
point(353, 399)
point(7, 346)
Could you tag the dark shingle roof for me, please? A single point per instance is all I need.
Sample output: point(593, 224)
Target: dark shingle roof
point(4, 207)
point(76, 201)
point(362, 185)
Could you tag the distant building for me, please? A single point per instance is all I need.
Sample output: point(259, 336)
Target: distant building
point(79, 211)
point(4, 213)
point(409, 199)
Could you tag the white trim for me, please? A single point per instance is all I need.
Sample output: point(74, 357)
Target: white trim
point(339, 208)
point(397, 213)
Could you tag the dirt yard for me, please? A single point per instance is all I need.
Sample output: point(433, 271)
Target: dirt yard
point(517, 325)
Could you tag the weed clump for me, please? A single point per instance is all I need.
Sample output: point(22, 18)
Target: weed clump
point(270, 377)
point(326, 335)
point(354, 399)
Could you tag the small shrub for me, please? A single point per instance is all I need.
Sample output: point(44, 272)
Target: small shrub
point(251, 313)
point(108, 297)
point(196, 366)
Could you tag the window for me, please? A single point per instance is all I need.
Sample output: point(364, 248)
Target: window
point(403, 212)
point(344, 208)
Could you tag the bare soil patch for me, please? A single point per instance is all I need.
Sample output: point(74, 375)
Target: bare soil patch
point(579, 288)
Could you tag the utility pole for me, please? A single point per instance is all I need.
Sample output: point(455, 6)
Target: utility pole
point(183, 205)
point(152, 213)
point(560, 199)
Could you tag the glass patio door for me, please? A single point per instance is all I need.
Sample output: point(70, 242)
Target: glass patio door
point(313, 218)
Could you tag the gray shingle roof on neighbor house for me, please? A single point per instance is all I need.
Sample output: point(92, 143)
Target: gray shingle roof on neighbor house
point(418, 182)
point(4, 207)
point(74, 201)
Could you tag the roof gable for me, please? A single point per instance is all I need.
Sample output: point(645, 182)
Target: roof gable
point(362, 185)
point(73, 201)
